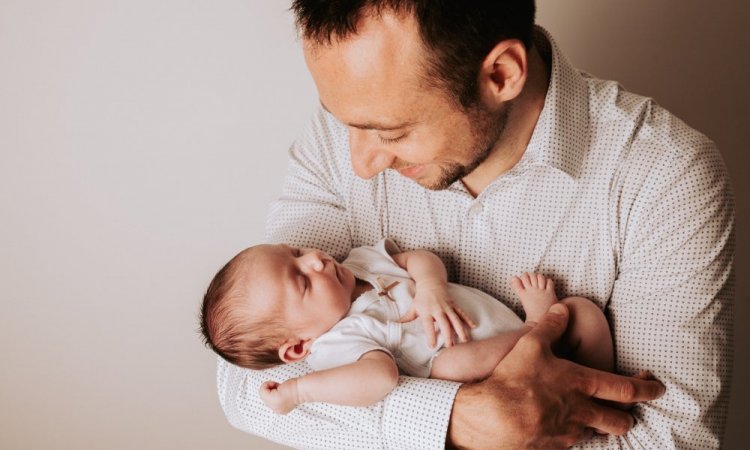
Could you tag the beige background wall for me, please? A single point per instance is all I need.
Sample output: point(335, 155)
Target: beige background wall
point(140, 144)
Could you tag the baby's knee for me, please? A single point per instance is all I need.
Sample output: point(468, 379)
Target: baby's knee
point(583, 308)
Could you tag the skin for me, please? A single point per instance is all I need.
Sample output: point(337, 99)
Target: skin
point(373, 82)
point(306, 287)
point(309, 291)
point(397, 121)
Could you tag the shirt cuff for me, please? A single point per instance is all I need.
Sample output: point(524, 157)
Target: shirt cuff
point(417, 413)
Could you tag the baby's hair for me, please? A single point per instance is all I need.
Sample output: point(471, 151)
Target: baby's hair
point(227, 323)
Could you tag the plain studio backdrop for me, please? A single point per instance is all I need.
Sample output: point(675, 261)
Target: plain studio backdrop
point(140, 145)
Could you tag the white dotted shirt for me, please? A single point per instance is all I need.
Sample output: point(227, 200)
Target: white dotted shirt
point(614, 198)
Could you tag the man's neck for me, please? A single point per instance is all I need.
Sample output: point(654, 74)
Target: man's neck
point(522, 118)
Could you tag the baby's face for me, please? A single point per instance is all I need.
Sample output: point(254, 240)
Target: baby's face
point(311, 288)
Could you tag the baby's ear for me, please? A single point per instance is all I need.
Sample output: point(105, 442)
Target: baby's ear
point(294, 350)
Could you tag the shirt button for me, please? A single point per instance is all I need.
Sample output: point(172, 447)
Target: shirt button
point(475, 209)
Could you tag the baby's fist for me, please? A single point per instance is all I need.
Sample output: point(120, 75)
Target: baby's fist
point(277, 398)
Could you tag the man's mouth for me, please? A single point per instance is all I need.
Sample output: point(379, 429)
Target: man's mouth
point(412, 171)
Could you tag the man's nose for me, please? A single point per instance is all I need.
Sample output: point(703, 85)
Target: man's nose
point(367, 159)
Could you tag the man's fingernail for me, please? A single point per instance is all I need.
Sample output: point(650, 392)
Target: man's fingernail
point(557, 308)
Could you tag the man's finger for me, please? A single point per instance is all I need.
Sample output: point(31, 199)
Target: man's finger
point(551, 326)
point(620, 388)
point(606, 420)
point(642, 375)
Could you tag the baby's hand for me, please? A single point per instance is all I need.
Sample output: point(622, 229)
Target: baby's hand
point(281, 398)
point(433, 304)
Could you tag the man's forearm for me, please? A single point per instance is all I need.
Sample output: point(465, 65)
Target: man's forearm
point(387, 424)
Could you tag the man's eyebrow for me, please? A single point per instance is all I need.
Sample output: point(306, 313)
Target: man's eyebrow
point(373, 125)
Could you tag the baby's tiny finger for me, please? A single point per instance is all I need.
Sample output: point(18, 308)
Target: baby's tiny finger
point(429, 329)
point(445, 330)
point(269, 386)
point(409, 316)
point(466, 318)
point(458, 326)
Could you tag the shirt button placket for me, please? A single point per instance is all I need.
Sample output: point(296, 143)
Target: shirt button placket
point(471, 252)
point(476, 208)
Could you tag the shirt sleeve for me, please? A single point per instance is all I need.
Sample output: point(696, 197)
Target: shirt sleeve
point(671, 307)
point(312, 211)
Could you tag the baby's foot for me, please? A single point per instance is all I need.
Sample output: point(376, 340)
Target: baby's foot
point(537, 294)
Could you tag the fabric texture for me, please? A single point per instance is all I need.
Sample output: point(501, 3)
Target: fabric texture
point(373, 320)
point(615, 199)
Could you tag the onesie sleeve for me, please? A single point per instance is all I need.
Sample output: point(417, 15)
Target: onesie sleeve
point(346, 342)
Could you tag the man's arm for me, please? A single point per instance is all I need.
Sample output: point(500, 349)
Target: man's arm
point(361, 383)
point(670, 311)
point(671, 305)
point(536, 400)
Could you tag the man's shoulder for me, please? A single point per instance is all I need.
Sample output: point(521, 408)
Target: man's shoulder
point(643, 129)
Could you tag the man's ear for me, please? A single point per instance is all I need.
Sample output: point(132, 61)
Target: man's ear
point(294, 350)
point(503, 73)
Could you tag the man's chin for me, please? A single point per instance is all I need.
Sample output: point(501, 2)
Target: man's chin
point(441, 181)
point(444, 181)
point(434, 185)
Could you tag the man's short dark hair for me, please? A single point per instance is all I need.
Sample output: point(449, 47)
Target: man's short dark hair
point(458, 34)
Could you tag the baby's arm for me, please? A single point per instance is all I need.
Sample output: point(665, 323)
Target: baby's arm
point(361, 383)
point(474, 361)
point(431, 300)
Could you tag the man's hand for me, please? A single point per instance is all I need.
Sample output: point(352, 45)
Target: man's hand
point(535, 400)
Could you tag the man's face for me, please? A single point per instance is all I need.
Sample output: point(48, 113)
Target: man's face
point(374, 82)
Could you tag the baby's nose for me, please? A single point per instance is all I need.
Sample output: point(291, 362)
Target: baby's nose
point(319, 261)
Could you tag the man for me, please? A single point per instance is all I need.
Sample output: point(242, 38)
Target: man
point(459, 127)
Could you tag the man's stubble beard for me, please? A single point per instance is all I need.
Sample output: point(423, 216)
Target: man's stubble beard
point(487, 129)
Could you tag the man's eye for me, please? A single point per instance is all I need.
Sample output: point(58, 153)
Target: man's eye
point(387, 141)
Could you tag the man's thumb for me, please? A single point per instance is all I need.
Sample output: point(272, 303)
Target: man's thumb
point(553, 324)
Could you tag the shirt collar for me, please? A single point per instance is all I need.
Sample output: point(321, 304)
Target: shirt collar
point(561, 136)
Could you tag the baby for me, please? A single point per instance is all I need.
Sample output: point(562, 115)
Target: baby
point(356, 322)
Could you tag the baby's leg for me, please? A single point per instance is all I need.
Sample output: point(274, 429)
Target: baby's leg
point(474, 360)
point(537, 294)
point(588, 339)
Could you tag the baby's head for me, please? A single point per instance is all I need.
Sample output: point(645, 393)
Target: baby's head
point(268, 304)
